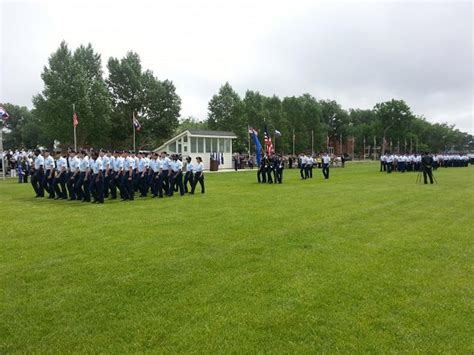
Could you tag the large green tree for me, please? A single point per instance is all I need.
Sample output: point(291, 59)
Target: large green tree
point(155, 103)
point(74, 78)
point(225, 113)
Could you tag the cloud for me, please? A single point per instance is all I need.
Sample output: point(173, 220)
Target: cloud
point(358, 53)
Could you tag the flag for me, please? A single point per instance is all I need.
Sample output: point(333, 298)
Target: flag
point(136, 124)
point(258, 146)
point(75, 119)
point(268, 142)
point(277, 133)
point(4, 113)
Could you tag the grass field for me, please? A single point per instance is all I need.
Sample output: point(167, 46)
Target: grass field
point(363, 262)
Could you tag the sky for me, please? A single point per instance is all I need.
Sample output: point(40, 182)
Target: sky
point(358, 53)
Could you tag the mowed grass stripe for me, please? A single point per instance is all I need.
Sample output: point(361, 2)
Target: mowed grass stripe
point(364, 262)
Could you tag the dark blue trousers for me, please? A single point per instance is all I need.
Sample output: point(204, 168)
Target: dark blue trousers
point(127, 186)
point(60, 181)
point(37, 182)
point(176, 178)
point(71, 181)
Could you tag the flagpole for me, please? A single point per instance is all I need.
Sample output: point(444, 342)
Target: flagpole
point(275, 142)
point(248, 132)
point(375, 148)
point(4, 169)
point(312, 142)
point(293, 141)
point(75, 137)
point(364, 149)
point(340, 141)
point(353, 144)
point(133, 129)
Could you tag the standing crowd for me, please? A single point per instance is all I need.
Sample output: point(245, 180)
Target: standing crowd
point(413, 162)
point(93, 176)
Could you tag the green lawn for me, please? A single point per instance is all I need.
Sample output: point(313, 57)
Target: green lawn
point(363, 262)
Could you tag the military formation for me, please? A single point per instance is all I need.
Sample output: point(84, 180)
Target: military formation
point(413, 162)
point(306, 164)
point(271, 170)
point(97, 175)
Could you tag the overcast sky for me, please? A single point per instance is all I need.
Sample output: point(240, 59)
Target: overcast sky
point(358, 53)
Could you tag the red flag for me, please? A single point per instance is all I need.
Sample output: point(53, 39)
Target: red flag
point(268, 142)
point(75, 120)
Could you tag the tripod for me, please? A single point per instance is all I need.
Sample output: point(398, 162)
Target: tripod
point(422, 169)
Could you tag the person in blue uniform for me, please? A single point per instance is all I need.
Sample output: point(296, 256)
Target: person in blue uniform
point(198, 175)
point(73, 175)
point(48, 178)
point(38, 174)
point(165, 172)
point(60, 177)
point(427, 167)
point(326, 161)
point(279, 166)
point(176, 176)
point(142, 174)
point(188, 177)
point(261, 173)
point(127, 181)
point(82, 187)
point(116, 178)
point(96, 184)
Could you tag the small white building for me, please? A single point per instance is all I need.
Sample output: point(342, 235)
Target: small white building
point(206, 144)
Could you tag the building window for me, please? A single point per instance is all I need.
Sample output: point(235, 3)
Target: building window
point(208, 145)
point(221, 145)
point(185, 148)
point(179, 147)
point(228, 142)
point(200, 145)
point(193, 145)
point(214, 145)
point(185, 139)
point(172, 147)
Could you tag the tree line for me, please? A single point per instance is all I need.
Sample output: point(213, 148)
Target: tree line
point(311, 123)
point(105, 104)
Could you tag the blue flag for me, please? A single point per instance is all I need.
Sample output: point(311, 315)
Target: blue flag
point(258, 146)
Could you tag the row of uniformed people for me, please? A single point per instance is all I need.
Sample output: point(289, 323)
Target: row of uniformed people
point(307, 162)
point(412, 162)
point(104, 174)
point(271, 170)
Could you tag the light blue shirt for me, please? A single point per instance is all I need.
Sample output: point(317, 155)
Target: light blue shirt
point(118, 164)
point(176, 165)
point(141, 165)
point(199, 168)
point(105, 162)
point(165, 163)
point(128, 163)
point(73, 164)
point(111, 163)
point(83, 164)
point(154, 165)
point(49, 163)
point(96, 165)
point(189, 167)
point(61, 163)
point(39, 160)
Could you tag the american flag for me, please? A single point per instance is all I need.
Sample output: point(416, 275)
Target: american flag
point(268, 142)
point(75, 119)
point(4, 113)
point(136, 124)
